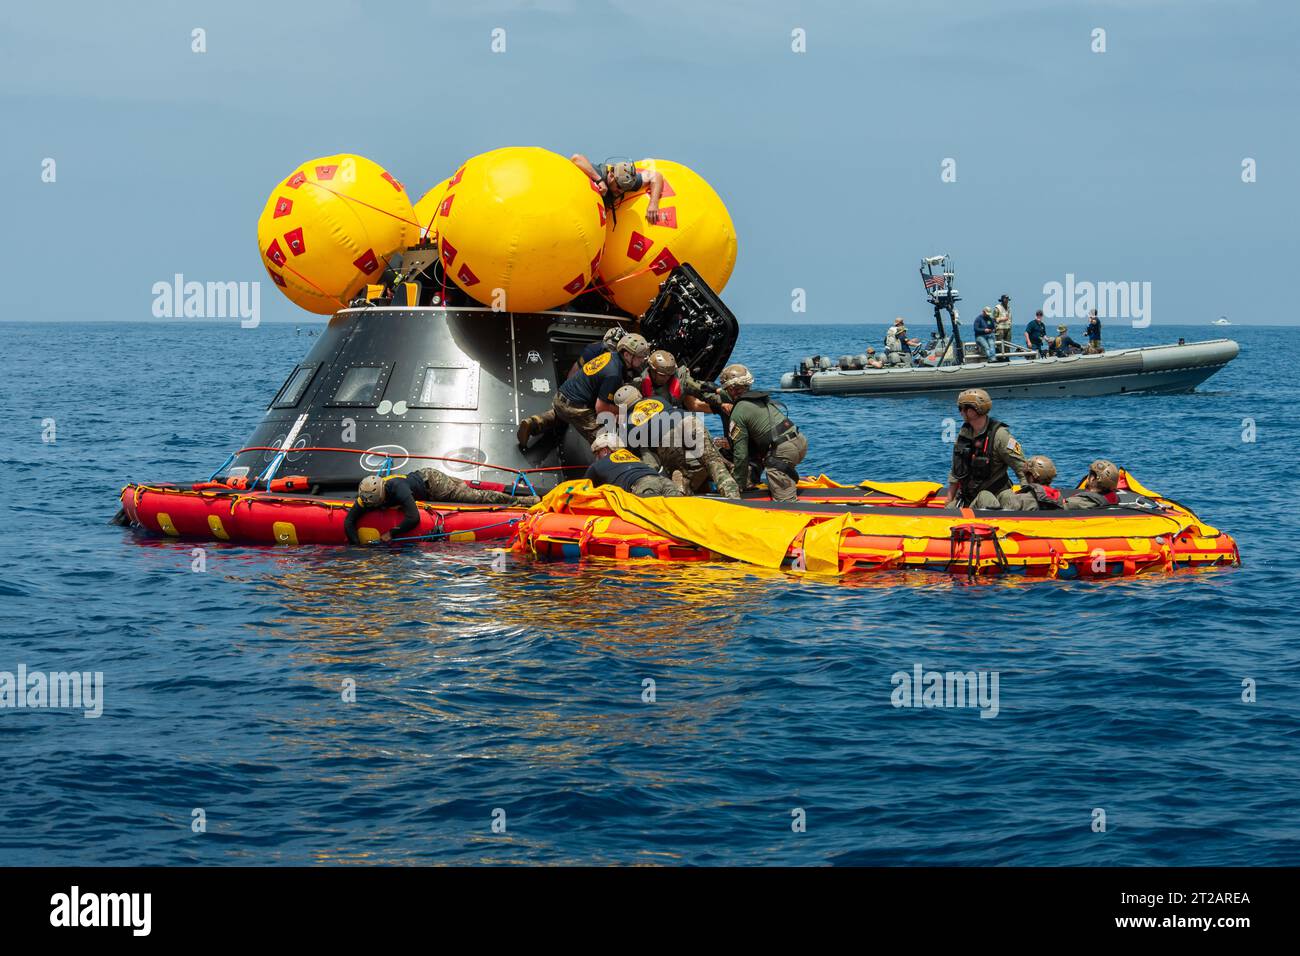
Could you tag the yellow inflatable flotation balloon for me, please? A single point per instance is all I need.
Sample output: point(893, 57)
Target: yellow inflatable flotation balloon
point(426, 209)
point(330, 228)
point(520, 229)
point(694, 226)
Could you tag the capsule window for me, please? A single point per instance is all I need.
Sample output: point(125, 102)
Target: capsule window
point(361, 386)
point(444, 386)
point(295, 386)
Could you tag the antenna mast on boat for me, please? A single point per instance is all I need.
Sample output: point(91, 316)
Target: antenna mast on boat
point(938, 278)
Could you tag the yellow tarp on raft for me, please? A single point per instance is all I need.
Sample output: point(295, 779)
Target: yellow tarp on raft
point(758, 537)
point(907, 492)
point(764, 537)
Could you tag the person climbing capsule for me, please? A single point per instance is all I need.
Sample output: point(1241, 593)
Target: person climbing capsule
point(591, 390)
point(675, 442)
point(423, 484)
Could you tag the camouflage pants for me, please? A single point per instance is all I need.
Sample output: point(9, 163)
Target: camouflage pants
point(655, 486)
point(580, 417)
point(691, 451)
point(779, 484)
point(988, 501)
point(443, 487)
point(1003, 335)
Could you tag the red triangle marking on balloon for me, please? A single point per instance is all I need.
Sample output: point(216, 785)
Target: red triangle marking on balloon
point(668, 218)
point(664, 262)
point(393, 182)
point(448, 252)
point(455, 179)
point(325, 172)
point(283, 206)
point(638, 246)
point(574, 287)
point(279, 279)
point(601, 207)
point(465, 276)
point(668, 190)
point(294, 239)
point(275, 253)
point(366, 262)
point(444, 208)
point(296, 180)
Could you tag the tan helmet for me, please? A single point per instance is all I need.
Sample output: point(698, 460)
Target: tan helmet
point(634, 344)
point(626, 396)
point(605, 441)
point(870, 350)
point(612, 336)
point(371, 491)
point(624, 175)
point(736, 375)
point(1040, 470)
point(662, 361)
point(1062, 328)
point(1104, 474)
point(977, 398)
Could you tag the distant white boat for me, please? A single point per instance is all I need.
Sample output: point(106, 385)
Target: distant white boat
point(1221, 320)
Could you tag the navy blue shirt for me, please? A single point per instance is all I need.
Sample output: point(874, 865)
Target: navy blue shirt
point(620, 467)
point(1036, 330)
point(598, 377)
point(984, 325)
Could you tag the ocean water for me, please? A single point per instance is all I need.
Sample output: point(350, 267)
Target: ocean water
point(517, 696)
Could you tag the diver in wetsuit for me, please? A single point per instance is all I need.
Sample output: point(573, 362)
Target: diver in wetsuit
point(423, 484)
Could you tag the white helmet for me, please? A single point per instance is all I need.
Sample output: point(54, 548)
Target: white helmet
point(605, 441)
point(371, 491)
point(626, 395)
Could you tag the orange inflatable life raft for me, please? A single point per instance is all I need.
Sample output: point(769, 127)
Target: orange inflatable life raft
point(877, 526)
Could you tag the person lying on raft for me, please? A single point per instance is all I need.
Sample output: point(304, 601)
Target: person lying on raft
point(423, 484)
point(615, 465)
point(615, 180)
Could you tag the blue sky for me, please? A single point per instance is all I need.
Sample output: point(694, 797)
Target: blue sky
point(1115, 166)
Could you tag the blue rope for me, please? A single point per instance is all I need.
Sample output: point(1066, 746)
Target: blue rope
point(229, 459)
point(531, 490)
point(387, 467)
point(445, 534)
point(269, 471)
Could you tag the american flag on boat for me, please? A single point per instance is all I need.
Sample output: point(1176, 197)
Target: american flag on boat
point(935, 282)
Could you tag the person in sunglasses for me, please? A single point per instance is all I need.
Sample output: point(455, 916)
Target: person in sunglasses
point(981, 455)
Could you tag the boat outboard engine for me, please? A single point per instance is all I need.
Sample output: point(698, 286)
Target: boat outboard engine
point(862, 360)
point(848, 363)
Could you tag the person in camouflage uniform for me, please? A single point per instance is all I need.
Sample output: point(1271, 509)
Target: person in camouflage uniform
point(678, 443)
point(422, 484)
point(673, 385)
point(1036, 493)
point(1100, 488)
point(762, 434)
point(981, 455)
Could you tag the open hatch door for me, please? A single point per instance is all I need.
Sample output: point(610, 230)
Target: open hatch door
point(689, 320)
